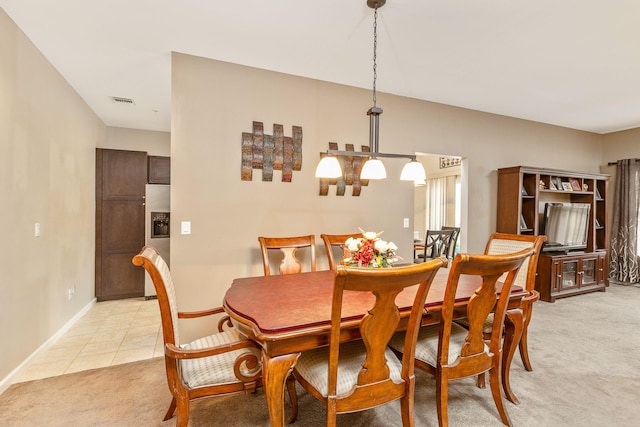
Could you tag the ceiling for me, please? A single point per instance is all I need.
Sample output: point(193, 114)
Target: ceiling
point(571, 63)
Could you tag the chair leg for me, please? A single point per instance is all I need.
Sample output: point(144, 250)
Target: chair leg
point(293, 398)
point(172, 409)
point(331, 412)
point(494, 382)
point(524, 351)
point(407, 405)
point(480, 381)
point(183, 412)
point(442, 397)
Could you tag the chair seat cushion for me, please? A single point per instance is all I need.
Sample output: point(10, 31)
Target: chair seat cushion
point(313, 366)
point(427, 345)
point(217, 369)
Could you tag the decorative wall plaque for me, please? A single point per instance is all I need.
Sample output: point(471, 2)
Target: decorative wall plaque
point(449, 162)
point(271, 152)
point(351, 167)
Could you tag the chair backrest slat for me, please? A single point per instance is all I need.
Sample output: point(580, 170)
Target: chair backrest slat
point(484, 301)
point(436, 243)
point(288, 246)
point(332, 241)
point(379, 323)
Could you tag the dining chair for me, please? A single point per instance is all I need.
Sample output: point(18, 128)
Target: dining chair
point(288, 246)
point(501, 243)
point(436, 243)
point(450, 351)
point(451, 246)
point(222, 363)
point(334, 241)
point(363, 373)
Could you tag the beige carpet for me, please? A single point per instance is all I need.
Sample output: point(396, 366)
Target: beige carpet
point(584, 350)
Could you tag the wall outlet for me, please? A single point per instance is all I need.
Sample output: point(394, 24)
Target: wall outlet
point(69, 293)
point(36, 229)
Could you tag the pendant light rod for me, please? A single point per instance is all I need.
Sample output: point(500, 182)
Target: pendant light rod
point(369, 154)
point(375, 111)
point(373, 168)
point(374, 128)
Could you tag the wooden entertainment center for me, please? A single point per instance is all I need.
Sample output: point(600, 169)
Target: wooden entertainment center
point(523, 193)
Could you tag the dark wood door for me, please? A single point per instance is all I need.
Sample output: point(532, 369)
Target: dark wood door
point(120, 192)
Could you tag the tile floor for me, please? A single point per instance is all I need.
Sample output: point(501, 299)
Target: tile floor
point(110, 333)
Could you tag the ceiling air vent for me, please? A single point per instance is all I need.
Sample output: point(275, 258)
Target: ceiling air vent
point(121, 100)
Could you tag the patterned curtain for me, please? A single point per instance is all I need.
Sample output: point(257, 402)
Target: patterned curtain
point(623, 255)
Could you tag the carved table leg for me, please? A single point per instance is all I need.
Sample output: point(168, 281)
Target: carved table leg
point(513, 326)
point(274, 374)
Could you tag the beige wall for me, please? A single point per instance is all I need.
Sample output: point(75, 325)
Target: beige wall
point(48, 137)
point(154, 143)
point(621, 145)
point(214, 102)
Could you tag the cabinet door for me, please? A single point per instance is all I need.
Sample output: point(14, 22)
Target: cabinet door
point(589, 272)
point(556, 276)
point(570, 276)
point(159, 170)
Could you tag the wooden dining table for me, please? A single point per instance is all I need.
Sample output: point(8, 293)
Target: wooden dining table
point(288, 314)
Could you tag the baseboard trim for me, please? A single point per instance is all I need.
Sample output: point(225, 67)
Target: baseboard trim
point(13, 375)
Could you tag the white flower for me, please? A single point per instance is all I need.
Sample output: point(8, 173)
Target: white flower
point(352, 244)
point(370, 235)
point(381, 246)
point(392, 247)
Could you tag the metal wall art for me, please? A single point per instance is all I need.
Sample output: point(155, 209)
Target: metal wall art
point(271, 152)
point(351, 167)
point(449, 162)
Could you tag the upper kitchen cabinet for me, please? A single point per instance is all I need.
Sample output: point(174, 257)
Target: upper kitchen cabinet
point(159, 170)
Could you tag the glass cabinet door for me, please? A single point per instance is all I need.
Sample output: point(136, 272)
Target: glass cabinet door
point(588, 271)
point(569, 274)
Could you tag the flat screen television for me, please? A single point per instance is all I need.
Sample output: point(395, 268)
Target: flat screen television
point(566, 226)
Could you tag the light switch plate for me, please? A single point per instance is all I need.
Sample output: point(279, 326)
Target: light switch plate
point(185, 227)
point(406, 223)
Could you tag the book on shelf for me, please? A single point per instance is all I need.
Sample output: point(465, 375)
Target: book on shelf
point(598, 196)
point(523, 223)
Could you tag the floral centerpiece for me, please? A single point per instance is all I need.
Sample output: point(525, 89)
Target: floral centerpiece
point(370, 251)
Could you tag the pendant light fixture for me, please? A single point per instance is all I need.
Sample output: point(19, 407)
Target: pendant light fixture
point(329, 167)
